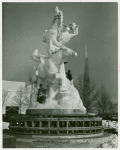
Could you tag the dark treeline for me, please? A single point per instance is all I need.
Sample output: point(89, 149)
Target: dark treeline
point(96, 100)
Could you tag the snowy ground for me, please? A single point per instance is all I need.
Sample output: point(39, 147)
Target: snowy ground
point(106, 141)
point(111, 143)
point(110, 124)
point(5, 125)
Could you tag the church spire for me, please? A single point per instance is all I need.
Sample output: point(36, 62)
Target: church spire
point(86, 72)
point(86, 51)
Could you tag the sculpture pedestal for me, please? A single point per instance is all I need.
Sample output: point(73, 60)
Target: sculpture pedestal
point(52, 122)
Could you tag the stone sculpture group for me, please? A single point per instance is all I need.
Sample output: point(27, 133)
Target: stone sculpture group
point(50, 71)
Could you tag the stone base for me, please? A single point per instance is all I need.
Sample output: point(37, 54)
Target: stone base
point(62, 138)
point(55, 112)
point(56, 123)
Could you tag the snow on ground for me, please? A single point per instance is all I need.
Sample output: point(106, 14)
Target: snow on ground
point(110, 124)
point(111, 143)
point(5, 125)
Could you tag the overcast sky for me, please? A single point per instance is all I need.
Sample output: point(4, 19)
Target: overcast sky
point(23, 27)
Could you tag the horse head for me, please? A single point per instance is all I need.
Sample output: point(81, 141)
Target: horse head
point(68, 52)
point(61, 55)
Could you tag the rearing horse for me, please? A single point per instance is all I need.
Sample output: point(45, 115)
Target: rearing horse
point(50, 70)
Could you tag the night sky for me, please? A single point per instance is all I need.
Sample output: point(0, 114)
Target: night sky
point(24, 25)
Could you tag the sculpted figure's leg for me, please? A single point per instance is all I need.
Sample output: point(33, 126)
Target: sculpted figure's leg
point(57, 44)
point(49, 47)
point(35, 92)
point(63, 78)
point(38, 83)
point(32, 88)
point(53, 45)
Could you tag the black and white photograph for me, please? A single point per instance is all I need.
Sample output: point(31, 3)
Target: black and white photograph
point(59, 66)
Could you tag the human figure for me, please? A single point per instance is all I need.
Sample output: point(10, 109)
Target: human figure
point(50, 35)
point(37, 57)
point(42, 93)
point(69, 75)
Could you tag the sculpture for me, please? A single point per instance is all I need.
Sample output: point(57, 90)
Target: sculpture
point(41, 95)
point(50, 71)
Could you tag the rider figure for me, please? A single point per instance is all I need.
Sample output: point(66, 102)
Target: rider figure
point(50, 35)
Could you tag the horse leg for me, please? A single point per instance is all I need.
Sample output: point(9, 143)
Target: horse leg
point(35, 88)
point(38, 83)
point(32, 86)
point(34, 92)
point(57, 75)
point(63, 78)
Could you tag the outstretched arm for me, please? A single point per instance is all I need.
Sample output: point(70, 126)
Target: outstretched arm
point(54, 23)
point(75, 32)
point(60, 21)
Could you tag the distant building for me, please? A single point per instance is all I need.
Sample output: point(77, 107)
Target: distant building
point(10, 111)
point(11, 87)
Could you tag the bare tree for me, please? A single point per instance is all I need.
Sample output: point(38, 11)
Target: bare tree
point(104, 101)
point(21, 99)
point(88, 92)
point(113, 107)
point(30, 77)
point(30, 90)
point(5, 96)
